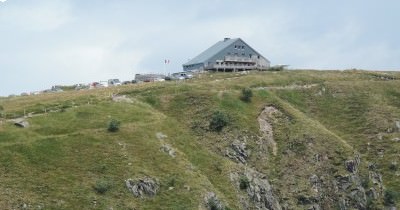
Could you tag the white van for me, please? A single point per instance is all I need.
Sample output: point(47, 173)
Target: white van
point(114, 82)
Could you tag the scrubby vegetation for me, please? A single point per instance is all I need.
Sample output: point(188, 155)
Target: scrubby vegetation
point(218, 121)
point(332, 142)
point(247, 93)
point(113, 125)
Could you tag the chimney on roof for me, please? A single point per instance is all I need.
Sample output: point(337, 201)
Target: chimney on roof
point(226, 39)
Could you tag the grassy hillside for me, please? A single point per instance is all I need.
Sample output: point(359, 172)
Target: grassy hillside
point(334, 144)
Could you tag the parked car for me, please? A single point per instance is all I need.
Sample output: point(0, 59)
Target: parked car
point(104, 83)
point(126, 82)
point(114, 82)
point(182, 75)
point(81, 87)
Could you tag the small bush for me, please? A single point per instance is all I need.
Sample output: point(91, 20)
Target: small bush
point(244, 183)
point(393, 166)
point(218, 121)
point(102, 186)
point(390, 197)
point(214, 204)
point(113, 125)
point(247, 93)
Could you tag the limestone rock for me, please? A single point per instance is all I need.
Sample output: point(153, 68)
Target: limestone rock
point(22, 123)
point(265, 120)
point(316, 183)
point(238, 152)
point(260, 191)
point(143, 187)
point(161, 136)
point(212, 201)
point(352, 165)
point(168, 149)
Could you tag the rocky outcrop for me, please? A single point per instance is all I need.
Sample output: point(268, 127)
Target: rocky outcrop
point(22, 123)
point(349, 187)
point(168, 149)
point(237, 151)
point(212, 202)
point(267, 135)
point(143, 187)
point(258, 189)
point(352, 165)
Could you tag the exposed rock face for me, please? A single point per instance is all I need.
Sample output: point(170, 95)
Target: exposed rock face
point(265, 120)
point(21, 123)
point(377, 189)
point(238, 152)
point(212, 201)
point(398, 125)
point(259, 190)
point(350, 187)
point(352, 165)
point(143, 187)
point(168, 149)
point(161, 136)
point(316, 183)
point(164, 146)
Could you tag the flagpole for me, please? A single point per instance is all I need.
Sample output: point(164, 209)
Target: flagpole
point(165, 65)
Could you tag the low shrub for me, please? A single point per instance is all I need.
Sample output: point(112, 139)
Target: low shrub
point(390, 197)
point(113, 125)
point(247, 93)
point(218, 121)
point(102, 186)
point(393, 166)
point(244, 183)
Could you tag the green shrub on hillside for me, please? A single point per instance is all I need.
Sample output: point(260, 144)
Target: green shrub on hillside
point(113, 125)
point(102, 186)
point(247, 93)
point(244, 182)
point(218, 121)
point(390, 197)
point(1, 111)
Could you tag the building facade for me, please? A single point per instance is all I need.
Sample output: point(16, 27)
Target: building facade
point(228, 55)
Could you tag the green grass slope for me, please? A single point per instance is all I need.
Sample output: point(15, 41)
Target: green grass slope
point(67, 159)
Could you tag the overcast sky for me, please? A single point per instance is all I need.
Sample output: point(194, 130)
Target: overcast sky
point(49, 42)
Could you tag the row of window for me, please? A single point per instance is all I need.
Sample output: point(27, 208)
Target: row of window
point(239, 47)
point(243, 54)
point(190, 66)
point(234, 64)
point(236, 54)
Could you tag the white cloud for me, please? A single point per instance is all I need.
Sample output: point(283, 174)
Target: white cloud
point(36, 15)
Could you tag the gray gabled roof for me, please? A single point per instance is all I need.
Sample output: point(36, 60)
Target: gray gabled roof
point(210, 52)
